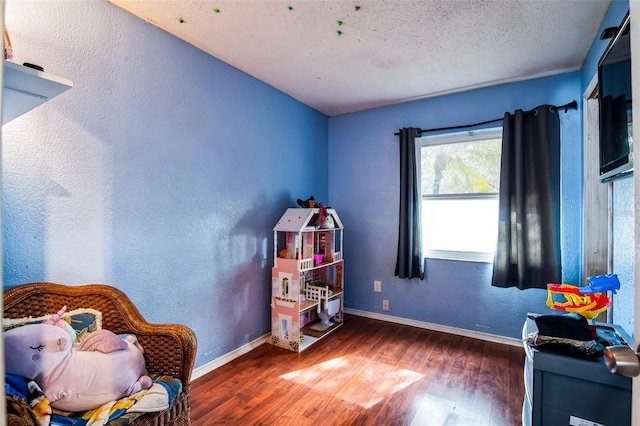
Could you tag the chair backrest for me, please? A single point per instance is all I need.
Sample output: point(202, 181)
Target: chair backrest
point(37, 299)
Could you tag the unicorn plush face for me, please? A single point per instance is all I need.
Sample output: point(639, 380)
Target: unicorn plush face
point(34, 350)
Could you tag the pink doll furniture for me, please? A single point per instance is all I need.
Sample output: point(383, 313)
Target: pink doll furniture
point(169, 349)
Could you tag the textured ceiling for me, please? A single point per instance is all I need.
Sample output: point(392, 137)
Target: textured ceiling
point(343, 56)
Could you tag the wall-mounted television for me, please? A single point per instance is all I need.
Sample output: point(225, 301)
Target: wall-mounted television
point(614, 94)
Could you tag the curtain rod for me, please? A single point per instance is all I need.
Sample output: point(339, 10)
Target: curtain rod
point(573, 105)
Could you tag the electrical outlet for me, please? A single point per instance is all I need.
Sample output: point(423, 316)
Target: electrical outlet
point(385, 305)
point(377, 286)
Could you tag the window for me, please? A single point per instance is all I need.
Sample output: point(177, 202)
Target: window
point(460, 177)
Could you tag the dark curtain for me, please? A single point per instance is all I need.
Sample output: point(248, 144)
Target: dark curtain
point(409, 263)
point(528, 250)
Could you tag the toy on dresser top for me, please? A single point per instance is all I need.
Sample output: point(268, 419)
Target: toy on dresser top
point(588, 301)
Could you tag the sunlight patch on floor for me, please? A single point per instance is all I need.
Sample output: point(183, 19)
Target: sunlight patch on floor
point(355, 379)
point(433, 411)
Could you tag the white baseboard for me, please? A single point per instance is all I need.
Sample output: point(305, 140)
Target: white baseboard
point(437, 327)
point(219, 362)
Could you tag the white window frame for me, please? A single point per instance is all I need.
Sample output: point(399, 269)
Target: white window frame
point(450, 138)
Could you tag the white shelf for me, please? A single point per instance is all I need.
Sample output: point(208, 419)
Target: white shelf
point(310, 340)
point(25, 88)
point(306, 342)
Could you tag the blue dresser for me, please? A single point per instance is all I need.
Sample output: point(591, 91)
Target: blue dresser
point(563, 390)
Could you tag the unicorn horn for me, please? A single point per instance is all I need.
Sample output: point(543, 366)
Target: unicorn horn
point(56, 317)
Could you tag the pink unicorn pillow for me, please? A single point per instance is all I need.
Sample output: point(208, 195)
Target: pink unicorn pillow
point(105, 368)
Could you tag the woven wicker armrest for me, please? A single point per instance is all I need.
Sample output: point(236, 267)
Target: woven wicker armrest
point(169, 349)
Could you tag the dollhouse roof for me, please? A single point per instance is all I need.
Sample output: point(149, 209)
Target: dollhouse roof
point(298, 219)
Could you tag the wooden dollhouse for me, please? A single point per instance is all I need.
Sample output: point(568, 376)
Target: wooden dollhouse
point(307, 278)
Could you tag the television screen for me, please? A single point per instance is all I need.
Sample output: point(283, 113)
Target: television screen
point(614, 91)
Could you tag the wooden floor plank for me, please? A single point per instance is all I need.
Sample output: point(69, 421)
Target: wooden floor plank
point(367, 372)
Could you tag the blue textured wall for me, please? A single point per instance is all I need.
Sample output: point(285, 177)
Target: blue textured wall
point(623, 232)
point(623, 252)
point(623, 191)
point(363, 186)
point(161, 172)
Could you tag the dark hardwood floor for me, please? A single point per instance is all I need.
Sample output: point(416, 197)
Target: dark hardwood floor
point(368, 372)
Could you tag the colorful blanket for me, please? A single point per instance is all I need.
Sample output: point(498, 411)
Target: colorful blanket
point(115, 413)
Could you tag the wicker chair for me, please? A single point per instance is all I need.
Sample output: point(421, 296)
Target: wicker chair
point(169, 348)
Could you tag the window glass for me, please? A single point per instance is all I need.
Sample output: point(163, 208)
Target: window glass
point(460, 176)
point(465, 167)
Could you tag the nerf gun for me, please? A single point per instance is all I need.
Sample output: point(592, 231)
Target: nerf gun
point(588, 305)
